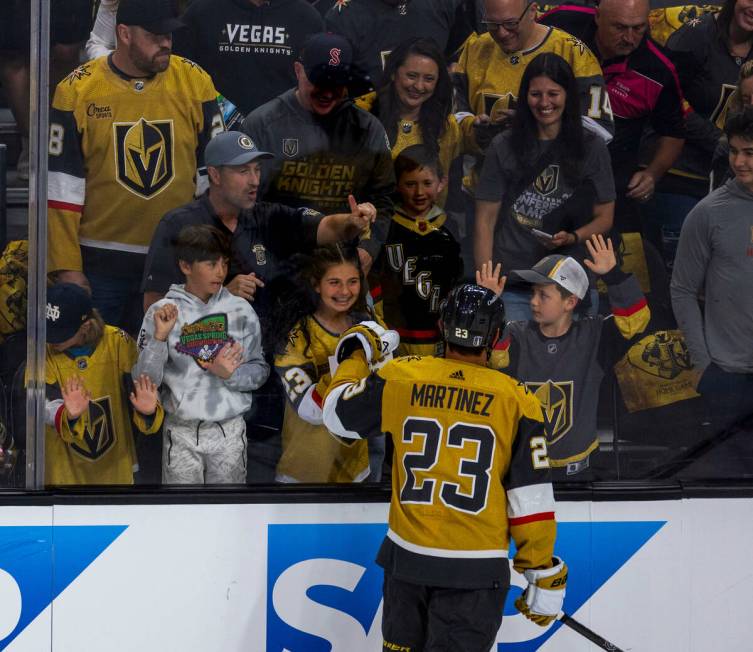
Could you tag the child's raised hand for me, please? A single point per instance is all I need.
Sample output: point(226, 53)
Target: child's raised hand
point(489, 277)
point(144, 395)
point(229, 358)
point(602, 253)
point(75, 397)
point(164, 320)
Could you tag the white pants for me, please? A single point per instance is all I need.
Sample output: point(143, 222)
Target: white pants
point(198, 452)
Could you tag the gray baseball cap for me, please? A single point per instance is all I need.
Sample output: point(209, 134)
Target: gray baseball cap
point(561, 270)
point(232, 148)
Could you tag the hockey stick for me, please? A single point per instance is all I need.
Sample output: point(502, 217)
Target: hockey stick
point(603, 643)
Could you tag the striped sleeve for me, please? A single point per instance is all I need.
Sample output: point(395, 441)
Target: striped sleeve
point(628, 303)
point(500, 356)
point(353, 405)
point(299, 376)
point(597, 110)
point(66, 191)
point(463, 108)
point(530, 498)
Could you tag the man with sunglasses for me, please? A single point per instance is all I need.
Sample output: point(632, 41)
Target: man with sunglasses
point(491, 65)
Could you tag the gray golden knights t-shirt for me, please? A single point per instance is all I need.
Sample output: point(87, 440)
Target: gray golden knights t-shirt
point(535, 207)
point(320, 161)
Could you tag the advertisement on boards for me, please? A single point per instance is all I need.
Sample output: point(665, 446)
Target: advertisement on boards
point(302, 578)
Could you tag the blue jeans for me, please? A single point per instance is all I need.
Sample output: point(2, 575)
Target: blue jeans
point(664, 215)
point(119, 301)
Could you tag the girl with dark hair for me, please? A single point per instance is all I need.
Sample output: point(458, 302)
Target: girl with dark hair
point(414, 103)
point(546, 183)
point(327, 297)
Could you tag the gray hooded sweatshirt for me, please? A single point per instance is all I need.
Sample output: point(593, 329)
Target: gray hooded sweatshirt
point(189, 391)
point(715, 259)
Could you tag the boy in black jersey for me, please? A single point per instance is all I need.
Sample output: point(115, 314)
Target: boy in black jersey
point(559, 358)
point(421, 259)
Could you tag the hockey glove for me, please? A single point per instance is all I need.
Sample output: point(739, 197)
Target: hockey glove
point(377, 343)
point(542, 601)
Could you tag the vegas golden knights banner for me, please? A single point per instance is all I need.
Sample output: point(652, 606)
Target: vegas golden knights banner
point(656, 371)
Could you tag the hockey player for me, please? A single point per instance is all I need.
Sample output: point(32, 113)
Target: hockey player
point(329, 299)
point(470, 471)
point(127, 135)
point(558, 358)
point(88, 436)
point(421, 259)
point(203, 345)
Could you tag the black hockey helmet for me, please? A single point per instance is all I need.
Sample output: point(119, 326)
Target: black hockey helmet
point(471, 316)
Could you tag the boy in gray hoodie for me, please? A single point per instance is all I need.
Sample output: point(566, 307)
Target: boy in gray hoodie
point(203, 345)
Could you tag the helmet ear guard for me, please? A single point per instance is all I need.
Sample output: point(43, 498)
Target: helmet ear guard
point(472, 317)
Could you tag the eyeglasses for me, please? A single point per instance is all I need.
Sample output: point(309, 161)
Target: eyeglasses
point(509, 25)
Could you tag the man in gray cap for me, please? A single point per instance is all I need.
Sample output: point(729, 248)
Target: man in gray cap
point(260, 232)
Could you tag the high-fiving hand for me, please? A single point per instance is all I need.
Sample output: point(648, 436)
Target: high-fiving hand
point(227, 360)
point(489, 277)
point(144, 395)
point(75, 396)
point(602, 253)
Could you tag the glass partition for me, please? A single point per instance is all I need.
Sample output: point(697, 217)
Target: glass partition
point(101, 134)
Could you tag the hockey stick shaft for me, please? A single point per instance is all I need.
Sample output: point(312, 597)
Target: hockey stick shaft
point(603, 643)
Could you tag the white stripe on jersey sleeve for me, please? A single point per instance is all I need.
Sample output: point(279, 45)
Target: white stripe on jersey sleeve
point(329, 414)
point(308, 410)
point(532, 499)
point(66, 188)
point(462, 115)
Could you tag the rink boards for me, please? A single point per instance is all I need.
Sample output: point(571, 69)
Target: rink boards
point(669, 575)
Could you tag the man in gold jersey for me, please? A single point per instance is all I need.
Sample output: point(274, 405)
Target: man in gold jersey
point(470, 471)
point(488, 73)
point(127, 135)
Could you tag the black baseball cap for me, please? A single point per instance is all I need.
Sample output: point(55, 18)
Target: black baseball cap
point(327, 59)
point(155, 16)
point(68, 306)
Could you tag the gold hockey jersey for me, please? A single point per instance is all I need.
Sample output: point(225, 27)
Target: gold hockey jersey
point(98, 448)
point(470, 465)
point(488, 79)
point(309, 452)
point(122, 153)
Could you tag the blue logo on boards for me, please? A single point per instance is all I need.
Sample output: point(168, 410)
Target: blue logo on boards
point(324, 590)
point(28, 556)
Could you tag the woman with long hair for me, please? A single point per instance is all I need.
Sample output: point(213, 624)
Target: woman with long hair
point(327, 297)
point(546, 185)
point(414, 103)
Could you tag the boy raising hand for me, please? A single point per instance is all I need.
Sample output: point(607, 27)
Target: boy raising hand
point(559, 358)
